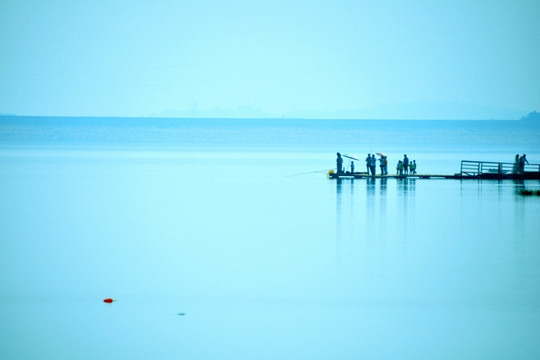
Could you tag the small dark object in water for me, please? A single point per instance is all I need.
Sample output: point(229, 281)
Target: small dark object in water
point(109, 300)
point(181, 314)
point(530, 192)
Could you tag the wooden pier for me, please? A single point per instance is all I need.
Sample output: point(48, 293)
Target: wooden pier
point(470, 170)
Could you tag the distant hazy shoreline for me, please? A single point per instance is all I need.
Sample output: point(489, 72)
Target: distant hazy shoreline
point(303, 133)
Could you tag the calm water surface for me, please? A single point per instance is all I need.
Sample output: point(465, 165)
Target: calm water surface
point(220, 253)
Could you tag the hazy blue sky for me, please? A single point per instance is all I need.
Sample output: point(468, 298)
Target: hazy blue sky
point(376, 59)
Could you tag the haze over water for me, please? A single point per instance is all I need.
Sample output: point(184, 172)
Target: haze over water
point(225, 239)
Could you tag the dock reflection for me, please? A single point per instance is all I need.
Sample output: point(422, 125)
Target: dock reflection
point(345, 187)
point(362, 213)
point(406, 186)
point(382, 186)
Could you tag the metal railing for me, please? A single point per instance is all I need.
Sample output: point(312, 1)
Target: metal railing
point(476, 168)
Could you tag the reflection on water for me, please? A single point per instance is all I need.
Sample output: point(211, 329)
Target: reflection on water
point(383, 184)
point(373, 215)
point(370, 198)
point(339, 236)
point(370, 185)
point(406, 190)
point(406, 185)
point(421, 261)
point(447, 228)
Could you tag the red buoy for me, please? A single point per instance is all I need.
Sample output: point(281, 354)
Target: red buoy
point(109, 300)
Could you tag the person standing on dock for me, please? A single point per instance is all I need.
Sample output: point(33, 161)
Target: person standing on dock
point(522, 161)
point(373, 165)
point(413, 167)
point(381, 164)
point(406, 164)
point(339, 163)
point(368, 163)
point(399, 168)
point(516, 164)
point(385, 165)
point(352, 167)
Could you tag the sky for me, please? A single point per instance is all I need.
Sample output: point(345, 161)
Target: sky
point(299, 59)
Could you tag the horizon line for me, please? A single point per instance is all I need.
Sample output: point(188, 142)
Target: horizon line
point(251, 118)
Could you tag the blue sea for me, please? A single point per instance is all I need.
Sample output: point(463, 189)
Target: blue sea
point(225, 239)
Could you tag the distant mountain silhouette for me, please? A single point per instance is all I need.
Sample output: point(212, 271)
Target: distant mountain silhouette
point(532, 116)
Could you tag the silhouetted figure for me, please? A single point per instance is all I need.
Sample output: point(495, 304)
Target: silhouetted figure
point(339, 163)
point(399, 168)
point(516, 165)
point(373, 164)
point(352, 167)
point(412, 166)
point(368, 163)
point(381, 164)
point(522, 161)
point(406, 164)
point(386, 165)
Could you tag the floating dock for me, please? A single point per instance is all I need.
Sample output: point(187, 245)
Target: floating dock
point(470, 170)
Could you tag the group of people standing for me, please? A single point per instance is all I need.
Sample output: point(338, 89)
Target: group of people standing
point(404, 167)
point(519, 164)
point(371, 164)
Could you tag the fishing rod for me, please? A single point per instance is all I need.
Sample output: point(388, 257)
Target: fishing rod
point(310, 172)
